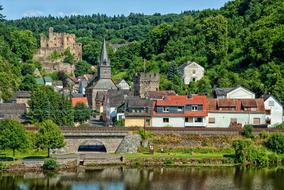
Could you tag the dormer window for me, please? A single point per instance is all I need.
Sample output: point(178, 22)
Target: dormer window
point(165, 109)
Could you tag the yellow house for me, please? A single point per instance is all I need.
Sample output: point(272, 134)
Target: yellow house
point(138, 112)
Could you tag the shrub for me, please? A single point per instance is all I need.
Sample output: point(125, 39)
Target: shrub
point(242, 150)
point(248, 131)
point(50, 164)
point(247, 153)
point(276, 143)
point(145, 134)
point(168, 162)
point(263, 134)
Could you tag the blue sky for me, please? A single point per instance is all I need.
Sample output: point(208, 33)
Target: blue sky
point(14, 9)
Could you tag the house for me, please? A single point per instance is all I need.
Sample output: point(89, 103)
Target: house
point(191, 71)
point(23, 97)
point(47, 81)
point(159, 95)
point(274, 110)
point(114, 100)
point(180, 111)
point(13, 111)
point(238, 92)
point(39, 81)
point(122, 85)
point(102, 83)
point(79, 99)
point(137, 112)
point(235, 112)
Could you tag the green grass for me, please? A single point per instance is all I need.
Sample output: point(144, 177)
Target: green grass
point(25, 153)
point(174, 155)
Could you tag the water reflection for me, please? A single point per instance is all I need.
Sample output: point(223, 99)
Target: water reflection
point(149, 179)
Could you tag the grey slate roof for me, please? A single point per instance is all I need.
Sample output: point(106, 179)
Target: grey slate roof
point(222, 91)
point(104, 57)
point(117, 97)
point(12, 109)
point(104, 84)
point(137, 102)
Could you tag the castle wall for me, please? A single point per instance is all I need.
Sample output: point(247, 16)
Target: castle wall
point(145, 82)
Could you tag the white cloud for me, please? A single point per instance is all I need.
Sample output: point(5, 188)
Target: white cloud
point(33, 13)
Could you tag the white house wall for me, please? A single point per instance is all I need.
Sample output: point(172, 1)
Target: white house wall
point(240, 93)
point(223, 120)
point(188, 73)
point(276, 114)
point(173, 122)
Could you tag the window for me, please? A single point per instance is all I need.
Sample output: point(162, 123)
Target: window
point(179, 108)
point(165, 120)
point(211, 119)
point(165, 109)
point(193, 79)
point(189, 119)
point(267, 112)
point(271, 103)
point(198, 120)
point(194, 71)
point(194, 108)
point(256, 121)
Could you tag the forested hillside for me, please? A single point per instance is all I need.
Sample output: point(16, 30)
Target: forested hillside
point(240, 44)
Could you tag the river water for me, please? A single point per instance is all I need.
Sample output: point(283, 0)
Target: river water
point(148, 179)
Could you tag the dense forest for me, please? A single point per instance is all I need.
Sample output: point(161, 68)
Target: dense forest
point(241, 43)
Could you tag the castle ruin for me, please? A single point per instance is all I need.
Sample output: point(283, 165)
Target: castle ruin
point(57, 42)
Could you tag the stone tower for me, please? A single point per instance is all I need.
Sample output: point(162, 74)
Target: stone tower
point(104, 66)
point(145, 82)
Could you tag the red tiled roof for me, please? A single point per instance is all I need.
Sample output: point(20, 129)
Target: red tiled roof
point(182, 101)
point(235, 105)
point(76, 100)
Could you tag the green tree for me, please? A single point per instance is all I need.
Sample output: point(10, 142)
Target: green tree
point(12, 136)
point(69, 57)
point(82, 67)
point(28, 83)
point(276, 143)
point(49, 136)
point(23, 44)
point(47, 104)
point(81, 113)
point(55, 55)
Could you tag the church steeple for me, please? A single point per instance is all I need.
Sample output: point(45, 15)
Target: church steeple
point(104, 57)
point(104, 66)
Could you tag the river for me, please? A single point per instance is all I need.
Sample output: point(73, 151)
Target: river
point(148, 178)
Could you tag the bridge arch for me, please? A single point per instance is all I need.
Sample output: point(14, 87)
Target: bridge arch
point(92, 146)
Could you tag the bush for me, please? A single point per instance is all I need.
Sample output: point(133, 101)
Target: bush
point(248, 131)
point(276, 143)
point(263, 134)
point(247, 153)
point(145, 134)
point(50, 164)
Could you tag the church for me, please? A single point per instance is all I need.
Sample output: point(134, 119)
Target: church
point(98, 87)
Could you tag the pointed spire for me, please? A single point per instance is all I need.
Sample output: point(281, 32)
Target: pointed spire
point(104, 57)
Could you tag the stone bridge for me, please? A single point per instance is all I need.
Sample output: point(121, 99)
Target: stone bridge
point(114, 141)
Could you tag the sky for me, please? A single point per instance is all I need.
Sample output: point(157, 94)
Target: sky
point(15, 9)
